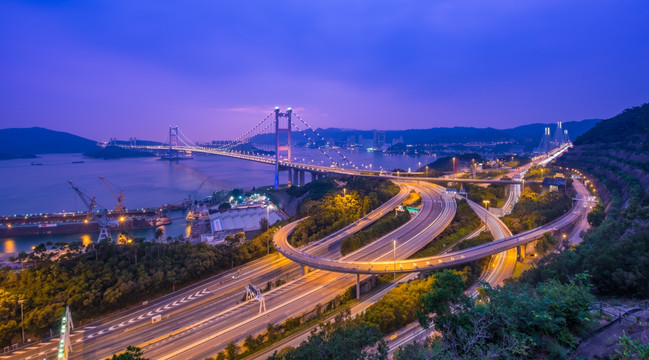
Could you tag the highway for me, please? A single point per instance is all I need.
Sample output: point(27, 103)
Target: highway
point(299, 296)
point(424, 264)
point(108, 334)
point(501, 267)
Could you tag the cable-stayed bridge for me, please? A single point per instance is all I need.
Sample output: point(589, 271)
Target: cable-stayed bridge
point(270, 141)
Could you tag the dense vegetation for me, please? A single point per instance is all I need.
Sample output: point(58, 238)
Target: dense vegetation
point(339, 209)
point(445, 164)
point(494, 193)
point(464, 222)
point(516, 321)
point(131, 353)
point(538, 173)
point(344, 339)
point(615, 156)
point(107, 277)
point(534, 209)
point(314, 190)
point(632, 125)
point(381, 227)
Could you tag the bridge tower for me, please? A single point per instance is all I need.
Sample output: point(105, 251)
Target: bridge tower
point(278, 147)
point(173, 140)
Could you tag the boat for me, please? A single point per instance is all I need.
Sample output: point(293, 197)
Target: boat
point(36, 163)
point(78, 162)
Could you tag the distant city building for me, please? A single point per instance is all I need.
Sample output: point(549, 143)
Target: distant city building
point(397, 140)
point(379, 139)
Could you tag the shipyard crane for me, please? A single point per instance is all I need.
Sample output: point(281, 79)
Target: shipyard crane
point(191, 214)
point(119, 208)
point(101, 217)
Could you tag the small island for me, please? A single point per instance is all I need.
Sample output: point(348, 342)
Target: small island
point(116, 152)
point(7, 156)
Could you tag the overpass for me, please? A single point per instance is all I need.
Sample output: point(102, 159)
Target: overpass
point(402, 265)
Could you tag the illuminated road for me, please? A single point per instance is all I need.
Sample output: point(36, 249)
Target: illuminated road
point(113, 333)
point(423, 264)
point(196, 332)
point(501, 267)
point(211, 333)
point(318, 168)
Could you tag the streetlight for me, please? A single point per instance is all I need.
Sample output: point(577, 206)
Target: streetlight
point(344, 191)
point(22, 318)
point(394, 257)
point(486, 206)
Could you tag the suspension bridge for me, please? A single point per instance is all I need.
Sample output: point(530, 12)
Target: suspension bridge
point(270, 141)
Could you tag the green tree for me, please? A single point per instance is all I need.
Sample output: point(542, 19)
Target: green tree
point(131, 353)
point(231, 351)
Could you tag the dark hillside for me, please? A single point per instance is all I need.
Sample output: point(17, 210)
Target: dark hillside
point(39, 140)
point(632, 125)
point(615, 156)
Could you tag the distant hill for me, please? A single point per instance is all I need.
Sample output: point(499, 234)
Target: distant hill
point(39, 140)
point(533, 132)
point(529, 135)
point(616, 152)
point(614, 156)
point(631, 125)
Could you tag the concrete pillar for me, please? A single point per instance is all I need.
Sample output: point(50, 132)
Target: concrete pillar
point(358, 286)
point(520, 251)
point(301, 177)
point(314, 176)
point(296, 174)
point(290, 174)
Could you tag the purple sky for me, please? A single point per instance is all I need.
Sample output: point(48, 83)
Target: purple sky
point(125, 68)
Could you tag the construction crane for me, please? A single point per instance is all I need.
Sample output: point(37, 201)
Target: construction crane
point(119, 208)
point(191, 214)
point(101, 217)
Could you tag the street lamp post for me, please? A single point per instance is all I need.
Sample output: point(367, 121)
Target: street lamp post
point(22, 319)
point(486, 206)
point(267, 226)
point(394, 257)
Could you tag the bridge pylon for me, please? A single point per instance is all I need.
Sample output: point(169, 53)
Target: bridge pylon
point(278, 146)
point(173, 140)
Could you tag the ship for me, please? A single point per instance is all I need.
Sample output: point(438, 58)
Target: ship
point(93, 220)
point(80, 222)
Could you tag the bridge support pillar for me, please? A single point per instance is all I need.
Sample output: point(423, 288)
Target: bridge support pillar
point(314, 177)
point(520, 251)
point(302, 178)
point(358, 286)
point(296, 174)
point(290, 176)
